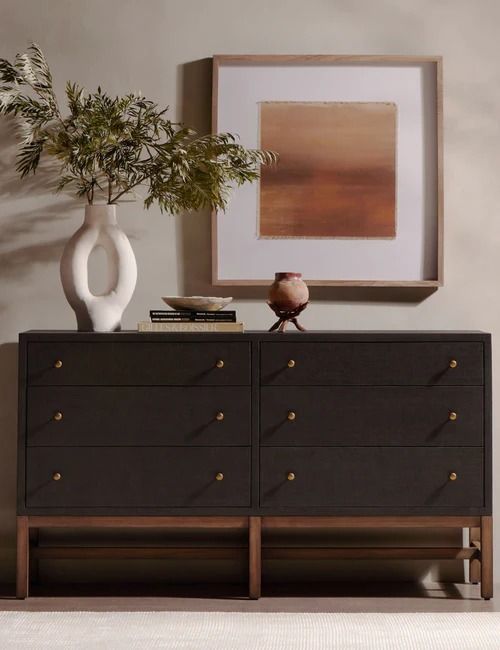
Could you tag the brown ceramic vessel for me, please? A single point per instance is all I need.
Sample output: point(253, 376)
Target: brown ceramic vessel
point(288, 291)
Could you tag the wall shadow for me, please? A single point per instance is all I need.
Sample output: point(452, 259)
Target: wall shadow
point(194, 91)
point(17, 263)
point(194, 84)
point(27, 227)
point(41, 183)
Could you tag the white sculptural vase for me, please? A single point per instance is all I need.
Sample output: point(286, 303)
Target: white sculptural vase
point(99, 313)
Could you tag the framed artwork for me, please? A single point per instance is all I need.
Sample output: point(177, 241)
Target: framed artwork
point(356, 197)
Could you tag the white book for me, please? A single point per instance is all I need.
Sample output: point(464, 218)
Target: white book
point(212, 326)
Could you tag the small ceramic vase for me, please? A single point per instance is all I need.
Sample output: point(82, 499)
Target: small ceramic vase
point(288, 291)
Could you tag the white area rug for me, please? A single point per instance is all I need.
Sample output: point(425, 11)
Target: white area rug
point(242, 631)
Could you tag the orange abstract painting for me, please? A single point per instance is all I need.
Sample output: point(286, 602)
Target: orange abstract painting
point(336, 176)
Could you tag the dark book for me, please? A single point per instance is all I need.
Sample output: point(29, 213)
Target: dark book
point(188, 312)
point(192, 316)
point(182, 319)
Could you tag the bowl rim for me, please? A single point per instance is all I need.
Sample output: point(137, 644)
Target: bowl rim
point(213, 298)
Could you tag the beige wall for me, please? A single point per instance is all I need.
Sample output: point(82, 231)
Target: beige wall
point(160, 47)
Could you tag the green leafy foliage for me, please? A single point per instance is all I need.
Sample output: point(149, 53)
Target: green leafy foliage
point(119, 145)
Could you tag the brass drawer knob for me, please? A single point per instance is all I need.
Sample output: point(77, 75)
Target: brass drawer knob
point(290, 476)
point(291, 363)
point(452, 416)
point(453, 363)
point(56, 476)
point(219, 476)
point(58, 363)
point(58, 416)
point(219, 363)
point(291, 416)
point(220, 416)
point(452, 476)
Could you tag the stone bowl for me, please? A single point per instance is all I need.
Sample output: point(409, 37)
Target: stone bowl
point(196, 303)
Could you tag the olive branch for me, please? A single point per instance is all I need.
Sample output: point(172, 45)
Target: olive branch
point(114, 146)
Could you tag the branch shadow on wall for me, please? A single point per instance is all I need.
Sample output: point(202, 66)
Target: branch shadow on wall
point(194, 82)
point(26, 234)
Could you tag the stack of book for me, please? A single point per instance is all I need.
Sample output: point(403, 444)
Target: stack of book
point(190, 321)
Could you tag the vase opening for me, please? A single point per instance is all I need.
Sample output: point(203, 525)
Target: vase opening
point(99, 271)
point(101, 215)
point(287, 275)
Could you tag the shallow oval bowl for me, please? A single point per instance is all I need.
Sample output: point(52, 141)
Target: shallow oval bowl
point(196, 303)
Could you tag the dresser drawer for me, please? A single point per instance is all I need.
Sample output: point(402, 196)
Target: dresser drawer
point(149, 477)
point(139, 415)
point(136, 363)
point(371, 363)
point(372, 415)
point(371, 477)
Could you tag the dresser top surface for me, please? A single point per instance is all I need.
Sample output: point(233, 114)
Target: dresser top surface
point(261, 335)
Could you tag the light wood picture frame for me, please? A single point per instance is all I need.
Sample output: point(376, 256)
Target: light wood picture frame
point(412, 253)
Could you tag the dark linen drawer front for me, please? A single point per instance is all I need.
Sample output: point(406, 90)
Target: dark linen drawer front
point(371, 477)
point(371, 363)
point(139, 415)
point(372, 415)
point(136, 363)
point(149, 477)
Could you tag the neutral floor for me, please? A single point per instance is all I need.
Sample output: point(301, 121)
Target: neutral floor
point(358, 597)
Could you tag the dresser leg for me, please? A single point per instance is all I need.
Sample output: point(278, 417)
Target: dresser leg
point(23, 559)
point(486, 558)
point(254, 557)
point(475, 564)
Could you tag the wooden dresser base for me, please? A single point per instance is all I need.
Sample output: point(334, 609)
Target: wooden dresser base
point(479, 553)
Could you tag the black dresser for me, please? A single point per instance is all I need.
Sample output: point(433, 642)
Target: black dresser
point(256, 431)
